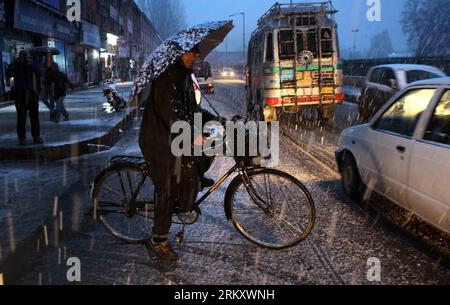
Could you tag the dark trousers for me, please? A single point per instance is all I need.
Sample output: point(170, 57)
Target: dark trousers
point(27, 103)
point(165, 202)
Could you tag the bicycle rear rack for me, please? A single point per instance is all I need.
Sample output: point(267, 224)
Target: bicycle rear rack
point(127, 160)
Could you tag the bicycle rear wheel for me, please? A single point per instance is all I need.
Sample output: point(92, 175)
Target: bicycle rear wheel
point(112, 193)
point(276, 211)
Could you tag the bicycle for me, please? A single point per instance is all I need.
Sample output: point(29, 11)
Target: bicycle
point(123, 199)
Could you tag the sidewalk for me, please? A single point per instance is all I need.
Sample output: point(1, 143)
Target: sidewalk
point(90, 128)
point(6, 104)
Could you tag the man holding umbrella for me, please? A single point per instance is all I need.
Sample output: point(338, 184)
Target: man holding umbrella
point(177, 180)
point(171, 98)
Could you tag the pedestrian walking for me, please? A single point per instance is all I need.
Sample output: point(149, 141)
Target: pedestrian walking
point(58, 83)
point(45, 97)
point(27, 87)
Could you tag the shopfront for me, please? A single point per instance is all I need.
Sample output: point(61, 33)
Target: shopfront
point(44, 27)
point(5, 56)
point(108, 56)
point(124, 60)
point(92, 45)
point(5, 61)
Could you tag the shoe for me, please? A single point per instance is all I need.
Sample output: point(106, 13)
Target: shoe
point(56, 118)
point(38, 141)
point(67, 118)
point(22, 142)
point(207, 182)
point(163, 250)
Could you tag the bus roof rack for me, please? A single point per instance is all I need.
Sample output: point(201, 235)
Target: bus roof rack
point(278, 10)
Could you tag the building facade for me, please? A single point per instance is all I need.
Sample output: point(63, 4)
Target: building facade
point(113, 37)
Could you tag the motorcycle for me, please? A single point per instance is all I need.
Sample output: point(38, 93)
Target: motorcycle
point(115, 101)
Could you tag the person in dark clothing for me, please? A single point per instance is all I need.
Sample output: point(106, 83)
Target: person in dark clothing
point(58, 83)
point(27, 88)
point(47, 63)
point(177, 179)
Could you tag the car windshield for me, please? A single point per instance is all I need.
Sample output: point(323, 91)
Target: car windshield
point(418, 75)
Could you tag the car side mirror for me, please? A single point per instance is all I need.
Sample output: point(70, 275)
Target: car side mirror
point(393, 84)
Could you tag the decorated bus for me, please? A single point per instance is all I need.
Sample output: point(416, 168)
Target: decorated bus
point(293, 62)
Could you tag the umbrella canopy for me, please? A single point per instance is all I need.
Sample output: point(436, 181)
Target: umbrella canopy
point(44, 50)
point(206, 36)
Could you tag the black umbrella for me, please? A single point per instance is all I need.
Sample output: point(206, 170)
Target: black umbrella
point(45, 50)
point(206, 36)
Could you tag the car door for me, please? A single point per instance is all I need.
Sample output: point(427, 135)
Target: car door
point(429, 173)
point(369, 92)
point(389, 143)
point(384, 88)
point(378, 91)
point(390, 76)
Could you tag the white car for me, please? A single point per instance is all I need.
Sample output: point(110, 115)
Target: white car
point(198, 93)
point(227, 73)
point(403, 153)
point(383, 82)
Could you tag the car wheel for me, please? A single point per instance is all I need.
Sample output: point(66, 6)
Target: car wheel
point(351, 180)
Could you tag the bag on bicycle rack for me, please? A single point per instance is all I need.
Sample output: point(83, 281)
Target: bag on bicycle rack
point(246, 151)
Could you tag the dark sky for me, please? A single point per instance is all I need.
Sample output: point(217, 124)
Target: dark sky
point(352, 14)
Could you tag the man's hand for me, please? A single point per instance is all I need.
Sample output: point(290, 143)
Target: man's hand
point(199, 141)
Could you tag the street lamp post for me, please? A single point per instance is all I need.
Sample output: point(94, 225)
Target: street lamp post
point(355, 31)
point(226, 50)
point(243, 32)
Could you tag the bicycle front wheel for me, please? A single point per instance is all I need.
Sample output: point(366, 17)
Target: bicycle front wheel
point(130, 221)
point(275, 211)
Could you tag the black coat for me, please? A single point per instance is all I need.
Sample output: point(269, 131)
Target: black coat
point(171, 99)
point(26, 77)
point(57, 83)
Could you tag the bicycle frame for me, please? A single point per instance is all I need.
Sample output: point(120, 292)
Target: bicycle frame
point(216, 186)
point(248, 180)
point(242, 172)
